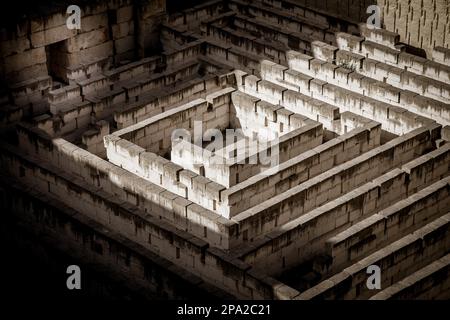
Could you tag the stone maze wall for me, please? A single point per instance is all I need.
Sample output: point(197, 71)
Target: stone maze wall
point(86, 238)
point(360, 121)
point(421, 24)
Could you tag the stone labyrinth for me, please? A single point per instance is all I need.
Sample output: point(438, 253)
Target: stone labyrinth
point(355, 122)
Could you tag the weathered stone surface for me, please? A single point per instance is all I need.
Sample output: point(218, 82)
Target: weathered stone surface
point(338, 157)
